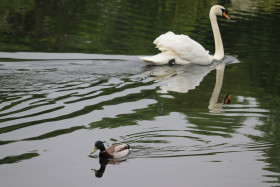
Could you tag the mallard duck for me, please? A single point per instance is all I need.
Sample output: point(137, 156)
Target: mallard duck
point(113, 152)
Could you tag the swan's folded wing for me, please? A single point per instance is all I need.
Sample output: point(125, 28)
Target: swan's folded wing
point(163, 58)
point(186, 48)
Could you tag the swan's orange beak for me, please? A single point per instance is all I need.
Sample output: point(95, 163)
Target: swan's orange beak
point(225, 15)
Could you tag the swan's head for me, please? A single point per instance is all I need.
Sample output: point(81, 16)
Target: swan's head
point(218, 10)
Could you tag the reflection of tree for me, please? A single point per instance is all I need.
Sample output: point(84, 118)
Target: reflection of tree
point(106, 26)
point(40, 25)
point(18, 158)
point(122, 26)
point(260, 52)
point(271, 129)
point(262, 72)
point(178, 79)
point(93, 26)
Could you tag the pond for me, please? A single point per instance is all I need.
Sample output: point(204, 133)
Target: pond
point(70, 75)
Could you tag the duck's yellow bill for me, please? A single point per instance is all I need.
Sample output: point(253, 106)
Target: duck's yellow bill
point(94, 150)
point(95, 171)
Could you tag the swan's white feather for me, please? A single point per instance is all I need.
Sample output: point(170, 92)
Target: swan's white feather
point(184, 47)
point(181, 48)
point(163, 58)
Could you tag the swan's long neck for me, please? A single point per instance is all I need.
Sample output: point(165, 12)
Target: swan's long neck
point(219, 48)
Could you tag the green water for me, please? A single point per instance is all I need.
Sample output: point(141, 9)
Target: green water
point(70, 75)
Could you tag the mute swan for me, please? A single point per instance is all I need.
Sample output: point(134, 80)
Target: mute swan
point(181, 49)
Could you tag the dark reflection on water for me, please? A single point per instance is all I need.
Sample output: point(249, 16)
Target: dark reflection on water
point(103, 163)
point(53, 105)
point(17, 158)
point(129, 103)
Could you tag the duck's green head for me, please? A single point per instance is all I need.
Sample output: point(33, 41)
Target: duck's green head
point(98, 145)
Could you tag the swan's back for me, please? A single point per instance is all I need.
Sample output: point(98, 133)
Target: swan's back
point(182, 45)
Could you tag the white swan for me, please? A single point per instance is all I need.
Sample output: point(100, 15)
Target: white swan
point(181, 49)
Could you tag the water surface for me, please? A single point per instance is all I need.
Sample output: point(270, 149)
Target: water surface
point(69, 81)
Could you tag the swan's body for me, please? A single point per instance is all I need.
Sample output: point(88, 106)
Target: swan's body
point(181, 49)
point(113, 152)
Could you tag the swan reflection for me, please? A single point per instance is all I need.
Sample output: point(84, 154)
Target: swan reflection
point(214, 106)
point(184, 78)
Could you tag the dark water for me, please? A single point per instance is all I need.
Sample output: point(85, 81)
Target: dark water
point(70, 75)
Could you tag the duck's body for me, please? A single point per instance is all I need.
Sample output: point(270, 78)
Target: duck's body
point(117, 151)
point(181, 49)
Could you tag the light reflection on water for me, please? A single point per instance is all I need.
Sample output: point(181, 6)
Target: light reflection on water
point(54, 106)
point(50, 101)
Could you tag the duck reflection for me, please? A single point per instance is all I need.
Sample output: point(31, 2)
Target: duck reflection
point(103, 163)
point(184, 78)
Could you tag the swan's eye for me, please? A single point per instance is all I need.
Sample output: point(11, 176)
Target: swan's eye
point(224, 10)
point(224, 13)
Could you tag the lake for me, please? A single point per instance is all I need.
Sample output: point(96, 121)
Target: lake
point(70, 75)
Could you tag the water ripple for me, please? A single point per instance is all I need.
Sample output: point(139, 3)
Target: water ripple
point(59, 97)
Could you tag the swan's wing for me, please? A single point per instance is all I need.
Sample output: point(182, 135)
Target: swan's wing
point(186, 48)
point(163, 58)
